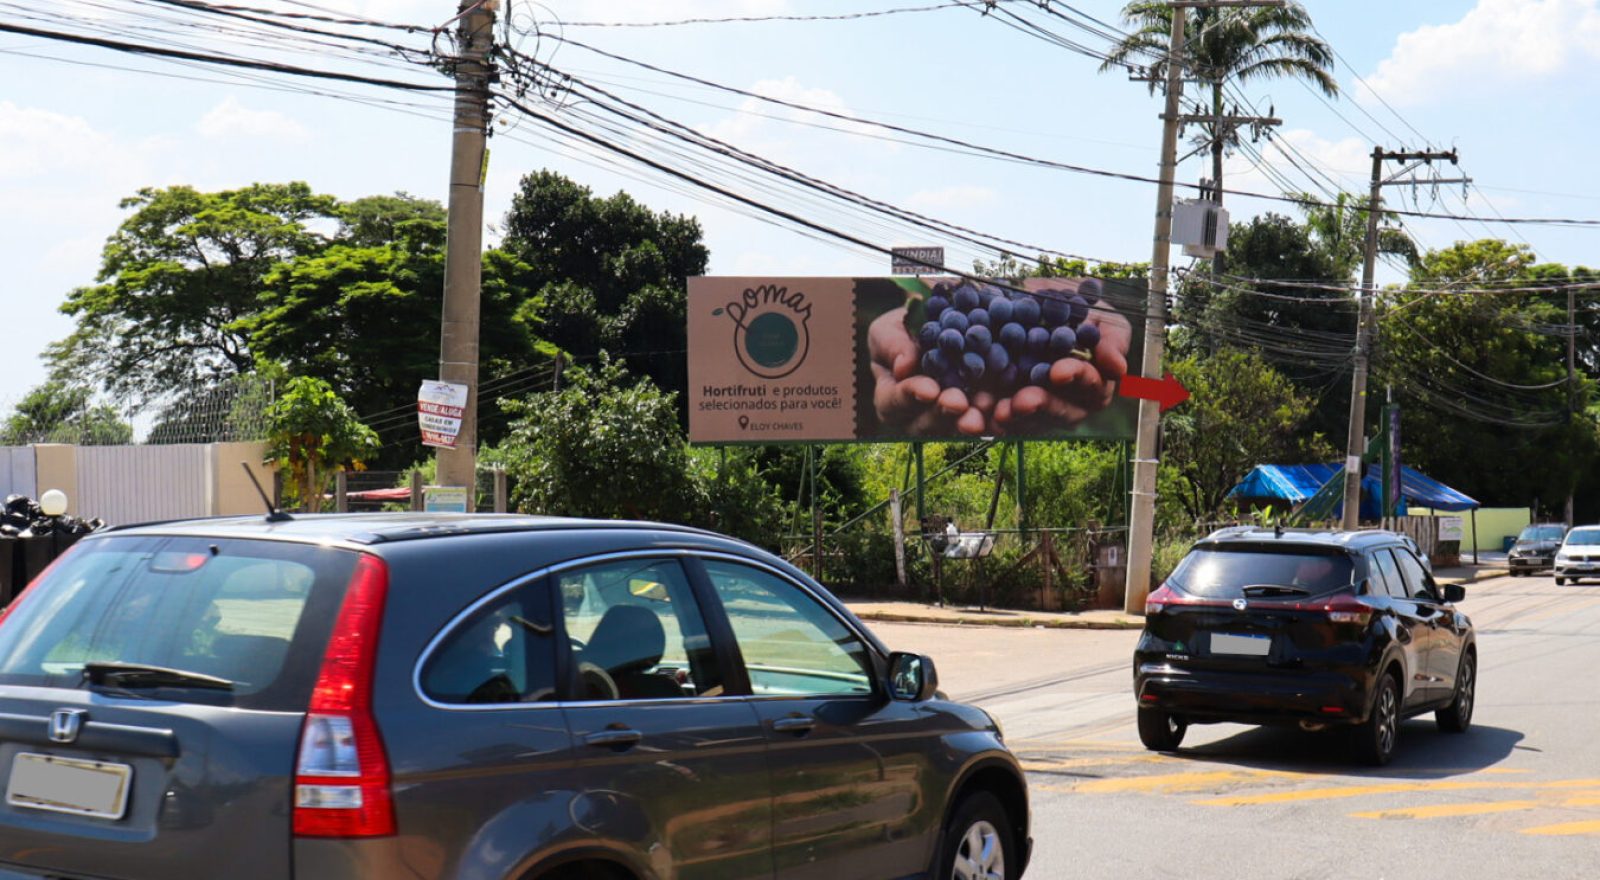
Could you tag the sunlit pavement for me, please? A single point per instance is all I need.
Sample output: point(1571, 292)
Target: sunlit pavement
point(1517, 796)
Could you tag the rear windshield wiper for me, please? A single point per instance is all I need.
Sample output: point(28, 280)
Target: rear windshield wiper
point(1274, 590)
point(142, 675)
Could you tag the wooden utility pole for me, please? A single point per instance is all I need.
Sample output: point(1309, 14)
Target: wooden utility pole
point(1142, 508)
point(1356, 444)
point(463, 272)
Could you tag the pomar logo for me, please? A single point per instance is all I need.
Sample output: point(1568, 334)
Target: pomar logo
point(771, 335)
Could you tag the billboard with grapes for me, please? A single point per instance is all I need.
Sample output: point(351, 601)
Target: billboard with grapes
point(775, 360)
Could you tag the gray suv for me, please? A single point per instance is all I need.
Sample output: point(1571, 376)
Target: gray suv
point(426, 695)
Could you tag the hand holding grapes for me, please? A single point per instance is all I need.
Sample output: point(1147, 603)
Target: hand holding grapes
point(1030, 362)
point(912, 401)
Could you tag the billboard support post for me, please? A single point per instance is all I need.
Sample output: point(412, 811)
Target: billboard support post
point(922, 509)
point(1022, 490)
point(816, 514)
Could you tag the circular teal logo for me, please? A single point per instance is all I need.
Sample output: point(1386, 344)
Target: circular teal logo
point(771, 340)
point(770, 335)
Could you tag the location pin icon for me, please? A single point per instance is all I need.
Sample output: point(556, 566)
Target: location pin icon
point(744, 422)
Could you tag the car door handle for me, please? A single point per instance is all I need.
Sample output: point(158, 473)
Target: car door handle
point(795, 724)
point(614, 737)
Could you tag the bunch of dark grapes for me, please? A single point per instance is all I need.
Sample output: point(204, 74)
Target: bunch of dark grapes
point(980, 337)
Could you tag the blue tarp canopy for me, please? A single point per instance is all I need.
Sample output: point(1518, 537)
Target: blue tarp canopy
point(1292, 484)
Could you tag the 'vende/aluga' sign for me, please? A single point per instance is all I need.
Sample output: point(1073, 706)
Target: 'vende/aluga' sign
point(916, 260)
point(440, 407)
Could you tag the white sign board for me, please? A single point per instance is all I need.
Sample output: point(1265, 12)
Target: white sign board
point(444, 499)
point(917, 261)
point(1450, 528)
point(440, 406)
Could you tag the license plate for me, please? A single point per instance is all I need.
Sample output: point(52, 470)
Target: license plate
point(1249, 646)
point(67, 785)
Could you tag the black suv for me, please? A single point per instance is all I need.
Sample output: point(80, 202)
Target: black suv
point(1317, 629)
point(454, 696)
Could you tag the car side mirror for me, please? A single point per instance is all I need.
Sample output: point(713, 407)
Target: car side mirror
point(912, 677)
point(1454, 592)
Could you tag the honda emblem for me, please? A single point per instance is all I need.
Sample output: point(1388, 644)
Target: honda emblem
point(65, 724)
point(1240, 604)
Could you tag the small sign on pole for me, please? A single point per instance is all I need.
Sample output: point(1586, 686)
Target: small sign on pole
point(917, 261)
point(445, 499)
point(440, 408)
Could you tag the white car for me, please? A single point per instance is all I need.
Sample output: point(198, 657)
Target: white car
point(1579, 556)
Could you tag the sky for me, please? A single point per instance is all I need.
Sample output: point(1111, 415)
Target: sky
point(1506, 82)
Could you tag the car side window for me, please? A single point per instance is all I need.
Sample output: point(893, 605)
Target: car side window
point(503, 653)
point(635, 632)
point(792, 645)
point(1418, 584)
point(1386, 575)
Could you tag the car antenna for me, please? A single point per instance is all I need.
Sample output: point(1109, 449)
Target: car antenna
point(273, 513)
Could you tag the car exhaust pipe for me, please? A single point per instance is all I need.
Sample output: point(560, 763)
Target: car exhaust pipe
point(1312, 726)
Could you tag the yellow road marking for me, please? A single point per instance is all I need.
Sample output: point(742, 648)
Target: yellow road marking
point(1591, 826)
point(1440, 811)
point(1350, 791)
point(1164, 781)
point(1587, 800)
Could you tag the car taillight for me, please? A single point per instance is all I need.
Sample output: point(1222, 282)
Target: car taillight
point(341, 779)
point(1348, 609)
point(1157, 601)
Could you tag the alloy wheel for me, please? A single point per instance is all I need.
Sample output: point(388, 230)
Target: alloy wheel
point(980, 856)
point(1388, 720)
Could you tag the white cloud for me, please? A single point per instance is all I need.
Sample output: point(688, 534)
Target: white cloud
point(1498, 42)
point(233, 119)
point(34, 141)
point(963, 197)
point(751, 127)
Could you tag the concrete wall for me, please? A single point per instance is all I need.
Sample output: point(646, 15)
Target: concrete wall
point(232, 492)
point(1494, 525)
point(129, 484)
point(56, 467)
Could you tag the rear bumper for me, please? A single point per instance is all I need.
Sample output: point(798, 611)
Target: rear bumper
point(1252, 698)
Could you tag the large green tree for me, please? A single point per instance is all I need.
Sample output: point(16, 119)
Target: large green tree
point(1227, 43)
point(56, 412)
point(1241, 413)
point(605, 274)
point(1478, 363)
point(175, 281)
point(363, 312)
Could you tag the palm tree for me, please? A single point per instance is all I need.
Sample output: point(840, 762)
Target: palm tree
point(1242, 43)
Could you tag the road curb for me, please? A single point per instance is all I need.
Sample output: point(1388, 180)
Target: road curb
point(1019, 622)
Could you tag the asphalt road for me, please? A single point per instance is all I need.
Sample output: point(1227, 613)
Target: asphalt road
point(1517, 796)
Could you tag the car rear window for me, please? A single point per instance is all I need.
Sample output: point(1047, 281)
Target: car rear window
point(1224, 573)
point(256, 613)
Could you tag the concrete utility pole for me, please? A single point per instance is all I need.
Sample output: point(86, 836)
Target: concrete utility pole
point(1141, 521)
point(1356, 444)
point(1142, 509)
point(1572, 380)
point(463, 267)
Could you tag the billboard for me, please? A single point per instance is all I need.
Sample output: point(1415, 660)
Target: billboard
point(776, 360)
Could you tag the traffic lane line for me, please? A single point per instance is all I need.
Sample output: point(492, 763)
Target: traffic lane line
point(1353, 791)
point(1441, 811)
point(1564, 829)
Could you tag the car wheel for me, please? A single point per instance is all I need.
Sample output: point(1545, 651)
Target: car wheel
point(1161, 731)
point(1375, 737)
point(977, 842)
point(1457, 717)
point(1560, 581)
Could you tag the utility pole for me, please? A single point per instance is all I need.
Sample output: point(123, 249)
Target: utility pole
point(1572, 379)
point(463, 267)
point(1141, 522)
point(1142, 508)
point(1356, 444)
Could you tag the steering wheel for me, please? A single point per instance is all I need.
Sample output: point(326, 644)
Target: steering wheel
point(596, 683)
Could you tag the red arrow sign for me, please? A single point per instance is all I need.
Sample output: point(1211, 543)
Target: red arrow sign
point(1168, 392)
